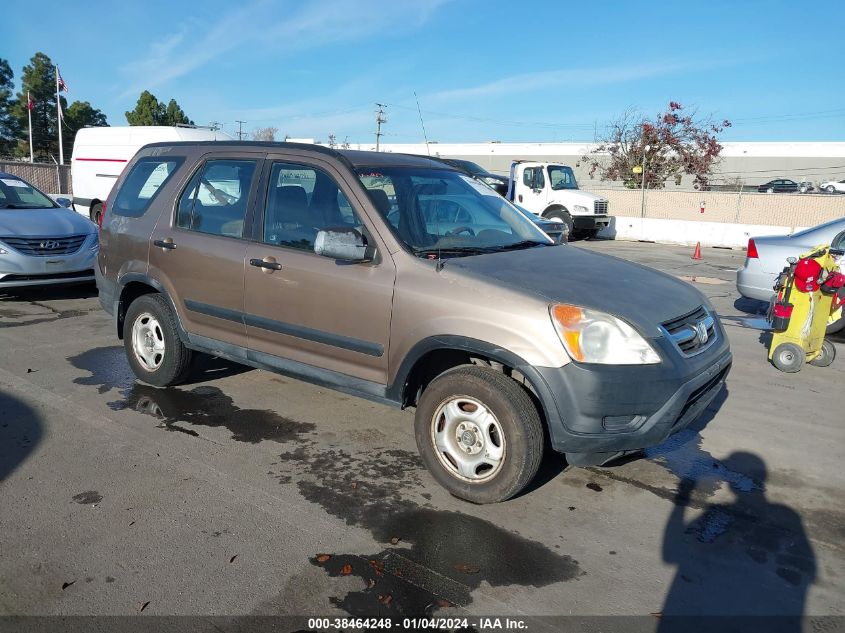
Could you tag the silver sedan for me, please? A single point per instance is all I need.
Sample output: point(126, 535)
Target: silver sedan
point(42, 242)
point(766, 257)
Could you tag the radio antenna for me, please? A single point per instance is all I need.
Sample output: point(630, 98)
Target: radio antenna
point(422, 124)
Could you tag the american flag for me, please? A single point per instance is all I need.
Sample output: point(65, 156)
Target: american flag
point(29, 103)
point(62, 86)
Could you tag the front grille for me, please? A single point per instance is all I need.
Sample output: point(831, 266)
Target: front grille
point(45, 246)
point(79, 274)
point(692, 333)
point(600, 207)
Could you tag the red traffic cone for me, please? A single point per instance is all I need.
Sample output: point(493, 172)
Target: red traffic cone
point(697, 253)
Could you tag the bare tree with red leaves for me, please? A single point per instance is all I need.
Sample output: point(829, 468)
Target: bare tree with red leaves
point(678, 143)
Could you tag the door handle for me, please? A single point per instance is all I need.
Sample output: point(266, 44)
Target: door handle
point(264, 263)
point(167, 244)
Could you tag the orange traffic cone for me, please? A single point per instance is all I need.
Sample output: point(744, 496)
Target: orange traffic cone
point(697, 253)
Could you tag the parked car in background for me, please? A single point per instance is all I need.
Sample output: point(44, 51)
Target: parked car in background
point(766, 258)
point(101, 153)
point(399, 279)
point(833, 186)
point(781, 185)
point(497, 182)
point(805, 186)
point(41, 241)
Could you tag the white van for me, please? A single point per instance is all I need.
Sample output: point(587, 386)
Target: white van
point(100, 154)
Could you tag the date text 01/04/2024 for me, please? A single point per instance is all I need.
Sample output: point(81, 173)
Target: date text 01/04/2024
point(418, 624)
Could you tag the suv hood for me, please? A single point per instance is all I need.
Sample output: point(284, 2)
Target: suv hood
point(43, 223)
point(642, 296)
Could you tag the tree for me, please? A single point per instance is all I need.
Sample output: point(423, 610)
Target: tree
point(80, 114)
point(174, 115)
point(39, 79)
point(264, 134)
point(150, 111)
point(678, 143)
point(9, 126)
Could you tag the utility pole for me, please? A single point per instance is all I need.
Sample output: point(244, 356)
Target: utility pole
point(240, 129)
point(380, 118)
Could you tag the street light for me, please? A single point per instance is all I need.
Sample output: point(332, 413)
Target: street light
point(642, 187)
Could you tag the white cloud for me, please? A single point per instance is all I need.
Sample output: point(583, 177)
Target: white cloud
point(259, 26)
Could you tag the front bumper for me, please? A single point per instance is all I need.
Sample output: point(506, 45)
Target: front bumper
point(586, 222)
point(597, 412)
point(18, 270)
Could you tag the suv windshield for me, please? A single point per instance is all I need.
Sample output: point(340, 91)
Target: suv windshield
point(17, 194)
point(561, 177)
point(441, 211)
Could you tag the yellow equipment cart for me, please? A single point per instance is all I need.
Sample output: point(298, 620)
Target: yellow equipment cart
point(809, 289)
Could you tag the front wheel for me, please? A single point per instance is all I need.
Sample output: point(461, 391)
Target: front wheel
point(95, 212)
point(830, 189)
point(153, 348)
point(788, 357)
point(479, 434)
point(560, 215)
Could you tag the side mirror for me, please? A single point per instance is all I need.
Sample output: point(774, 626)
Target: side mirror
point(345, 244)
point(64, 202)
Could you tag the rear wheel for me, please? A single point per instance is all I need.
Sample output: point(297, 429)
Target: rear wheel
point(153, 348)
point(830, 189)
point(836, 322)
point(479, 434)
point(95, 212)
point(788, 357)
point(826, 355)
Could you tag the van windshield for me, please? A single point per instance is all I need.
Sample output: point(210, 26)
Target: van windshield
point(444, 213)
point(562, 177)
point(17, 194)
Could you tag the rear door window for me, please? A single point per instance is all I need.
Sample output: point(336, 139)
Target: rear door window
point(215, 200)
point(143, 183)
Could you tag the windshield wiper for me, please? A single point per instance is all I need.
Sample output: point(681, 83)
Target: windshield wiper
point(517, 246)
point(451, 250)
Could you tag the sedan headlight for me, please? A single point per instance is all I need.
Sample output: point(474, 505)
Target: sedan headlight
point(590, 336)
point(579, 209)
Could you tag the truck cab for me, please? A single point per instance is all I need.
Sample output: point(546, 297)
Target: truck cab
point(550, 191)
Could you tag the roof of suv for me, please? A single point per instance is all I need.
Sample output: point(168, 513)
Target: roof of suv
point(355, 158)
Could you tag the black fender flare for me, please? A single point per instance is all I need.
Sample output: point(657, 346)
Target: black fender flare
point(119, 309)
point(396, 390)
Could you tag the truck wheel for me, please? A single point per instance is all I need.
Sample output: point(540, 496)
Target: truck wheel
point(479, 434)
point(153, 348)
point(559, 214)
point(94, 212)
point(826, 356)
point(788, 357)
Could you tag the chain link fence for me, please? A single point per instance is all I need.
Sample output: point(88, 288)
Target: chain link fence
point(739, 207)
point(48, 177)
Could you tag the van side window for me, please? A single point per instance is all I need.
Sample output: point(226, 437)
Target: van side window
point(302, 200)
point(215, 199)
point(142, 184)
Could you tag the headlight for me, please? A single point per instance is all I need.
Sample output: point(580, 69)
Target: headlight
point(590, 336)
point(579, 209)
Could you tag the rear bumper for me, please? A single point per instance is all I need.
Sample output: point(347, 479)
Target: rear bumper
point(596, 412)
point(585, 222)
point(755, 284)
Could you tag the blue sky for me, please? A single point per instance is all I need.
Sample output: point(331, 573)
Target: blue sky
point(482, 69)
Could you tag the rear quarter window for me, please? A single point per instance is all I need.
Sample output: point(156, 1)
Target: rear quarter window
point(142, 184)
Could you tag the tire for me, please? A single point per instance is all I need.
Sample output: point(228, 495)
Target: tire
point(94, 212)
point(830, 189)
point(770, 190)
point(826, 356)
point(837, 325)
point(560, 214)
point(165, 361)
point(504, 421)
point(788, 357)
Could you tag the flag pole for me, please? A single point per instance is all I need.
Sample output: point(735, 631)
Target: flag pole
point(59, 119)
point(29, 112)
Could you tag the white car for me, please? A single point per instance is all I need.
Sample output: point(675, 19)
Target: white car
point(833, 186)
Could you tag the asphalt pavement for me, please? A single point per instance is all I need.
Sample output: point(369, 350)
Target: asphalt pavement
point(245, 492)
